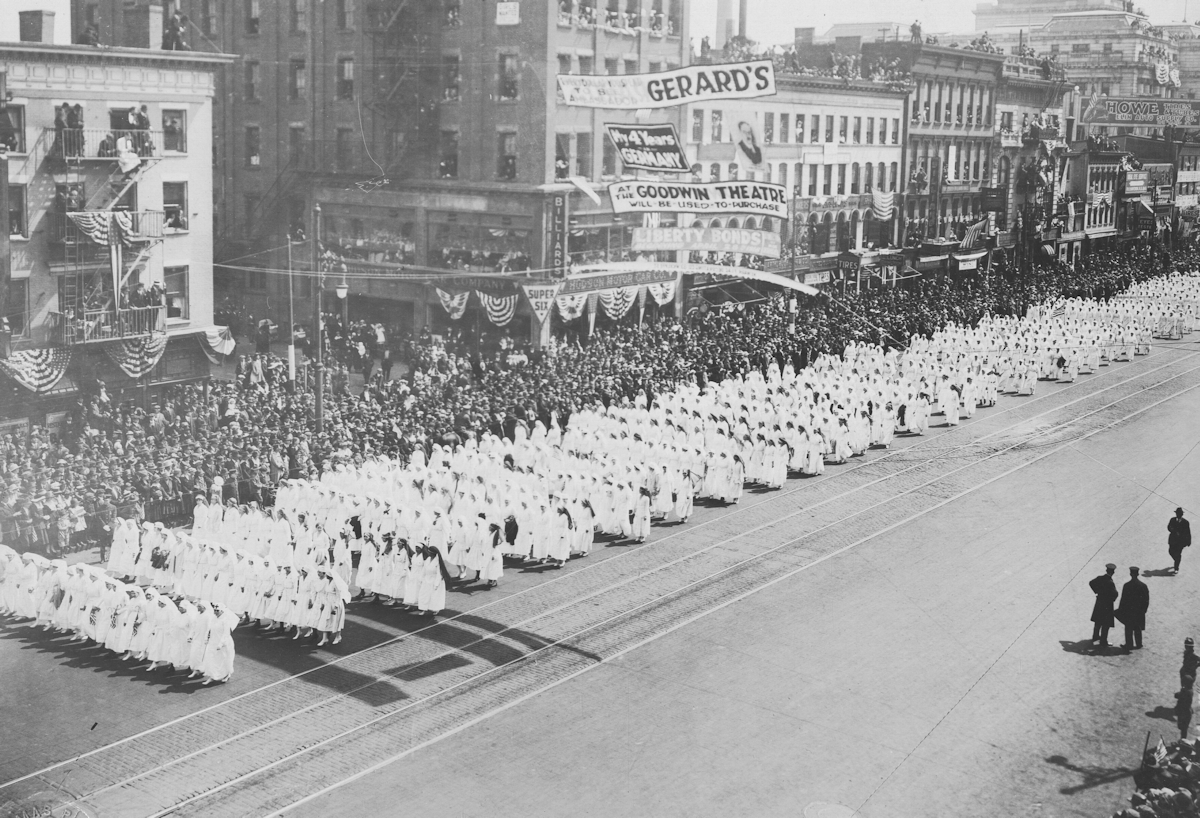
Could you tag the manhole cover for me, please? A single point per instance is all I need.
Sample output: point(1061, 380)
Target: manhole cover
point(821, 809)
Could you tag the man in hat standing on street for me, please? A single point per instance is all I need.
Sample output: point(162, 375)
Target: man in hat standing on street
point(1135, 601)
point(1102, 612)
point(1179, 536)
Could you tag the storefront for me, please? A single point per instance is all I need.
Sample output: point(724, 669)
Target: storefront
point(481, 242)
point(968, 263)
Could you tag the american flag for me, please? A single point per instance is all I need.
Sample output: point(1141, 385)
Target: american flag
point(971, 237)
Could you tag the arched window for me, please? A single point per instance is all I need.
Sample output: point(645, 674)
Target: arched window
point(869, 178)
point(733, 223)
point(855, 178)
point(852, 238)
point(783, 178)
point(733, 170)
point(767, 172)
point(1004, 172)
point(714, 172)
point(715, 223)
point(750, 224)
point(798, 177)
point(894, 175)
point(824, 229)
point(843, 233)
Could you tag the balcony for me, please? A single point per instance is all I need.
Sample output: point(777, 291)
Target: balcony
point(95, 326)
point(98, 144)
point(136, 225)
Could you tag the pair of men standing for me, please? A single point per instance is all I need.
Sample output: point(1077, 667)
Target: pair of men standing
point(1135, 601)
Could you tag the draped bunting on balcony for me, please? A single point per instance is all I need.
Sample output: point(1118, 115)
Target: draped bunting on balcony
point(662, 292)
point(96, 224)
point(500, 308)
point(38, 370)
point(617, 302)
point(138, 356)
point(454, 304)
point(570, 307)
point(217, 343)
point(882, 204)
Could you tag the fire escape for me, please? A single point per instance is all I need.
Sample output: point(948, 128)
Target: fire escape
point(100, 238)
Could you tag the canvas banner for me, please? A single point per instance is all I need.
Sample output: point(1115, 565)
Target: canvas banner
point(711, 198)
point(692, 85)
point(649, 147)
point(712, 239)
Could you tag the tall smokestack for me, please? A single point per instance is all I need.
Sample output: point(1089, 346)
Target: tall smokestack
point(724, 22)
point(742, 12)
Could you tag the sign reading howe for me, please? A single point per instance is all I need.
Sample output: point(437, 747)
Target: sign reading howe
point(1134, 111)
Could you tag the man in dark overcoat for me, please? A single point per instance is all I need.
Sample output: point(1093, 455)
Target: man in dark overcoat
point(1106, 597)
point(1135, 601)
point(1179, 536)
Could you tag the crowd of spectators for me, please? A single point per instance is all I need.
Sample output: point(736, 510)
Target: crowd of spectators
point(236, 440)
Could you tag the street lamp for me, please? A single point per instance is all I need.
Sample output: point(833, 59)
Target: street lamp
point(342, 290)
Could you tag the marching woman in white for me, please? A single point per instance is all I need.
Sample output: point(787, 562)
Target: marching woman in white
point(493, 564)
point(435, 575)
point(331, 595)
point(216, 664)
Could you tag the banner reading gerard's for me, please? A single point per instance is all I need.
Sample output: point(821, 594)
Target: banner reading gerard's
point(666, 89)
point(717, 239)
point(712, 198)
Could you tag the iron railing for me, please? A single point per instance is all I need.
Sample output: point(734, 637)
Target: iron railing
point(94, 326)
point(74, 144)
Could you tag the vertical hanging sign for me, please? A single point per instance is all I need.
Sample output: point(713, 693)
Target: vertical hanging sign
point(559, 235)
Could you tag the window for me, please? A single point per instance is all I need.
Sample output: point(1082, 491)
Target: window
point(451, 78)
point(174, 124)
point(631, 66)
point(12, 128)
point(870, 130)
point(882, 130)
point(732, 170)
point(252, 15)
point(895, 131)
point(508, 77)
point(453, 18)
point(784, 134)
point(827, 189)
point(783, 175)
point(1107, 48)
point(252, 202)
point(562, 156)
point(16, 211)
point(812, 179)
point(893, 176)
point(18, 307)
point(815, 135)
point(609, 158)
point(587, 65)
point(718, 120)
point(1081, 48)
point(345, 14)
point(611, 66)
point(506, 156)
point(1105, 89)
point(868, 177)
point(857, 134)
point(768, 129)
point(175, 205)
point(855, 178)
point(208, 17)
point(844, 127)
point(1006, 120)
point(714, 172)
point(841, 188)
point(345, 80)
point(295, 143)
point(828, 129)
point(1054, 48)
point(654, 66)
point(697, 125)
point(253, 78)
point(448, 156)
point(343, 157)
point(297, 79)
point(299, 16)
point(253, 146)
point(583, 155)
point(176, 281)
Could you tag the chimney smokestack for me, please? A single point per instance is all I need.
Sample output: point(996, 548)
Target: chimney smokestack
point(36, 26)
point(742, 14)
point(142, 24)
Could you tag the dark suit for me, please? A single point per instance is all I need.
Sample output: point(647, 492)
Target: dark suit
point(1135, 601)
point(1178, 538)
point(1102, 612)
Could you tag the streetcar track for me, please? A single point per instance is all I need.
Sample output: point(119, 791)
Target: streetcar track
point(626, 613)
point(1025, 441)
point(691, 530)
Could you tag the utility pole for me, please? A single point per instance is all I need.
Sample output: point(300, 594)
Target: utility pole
point(318, 339)
point(5, 227)
point(291, 318)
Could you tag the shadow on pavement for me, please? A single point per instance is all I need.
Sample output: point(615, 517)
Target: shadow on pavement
point(1084, 647)
point(1092, 776)
point(1159, 572)
point(1164, 712)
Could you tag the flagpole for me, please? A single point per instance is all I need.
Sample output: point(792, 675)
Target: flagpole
point(291, 320)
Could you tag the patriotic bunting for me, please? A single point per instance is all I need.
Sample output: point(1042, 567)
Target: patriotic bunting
point(662, 292)
point(571, 307)
point(500, 308)
point(38, 370)
point(882, 204)
point(455, 304)
point(617, 302)
point(138, 356)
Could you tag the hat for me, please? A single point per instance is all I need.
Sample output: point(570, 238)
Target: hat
point(1179, 511)
point(1112, 566)
point(1133, 569)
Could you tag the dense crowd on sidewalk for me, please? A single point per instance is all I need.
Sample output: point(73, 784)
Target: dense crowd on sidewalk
point(246, 436)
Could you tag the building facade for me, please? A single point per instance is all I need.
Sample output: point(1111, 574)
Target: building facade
point(110, 210)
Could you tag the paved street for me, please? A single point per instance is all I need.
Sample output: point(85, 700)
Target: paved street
point(901, 636)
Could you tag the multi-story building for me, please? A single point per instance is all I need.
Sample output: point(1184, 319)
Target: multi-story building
point(110, 187)
point(951, 133)
point(1013, 16)
point(431, 133)
point(832, 143)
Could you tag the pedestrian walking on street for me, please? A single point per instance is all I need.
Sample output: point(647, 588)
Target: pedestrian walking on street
point(1179, 536)
point(1106, 597)
point(1135, 601)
